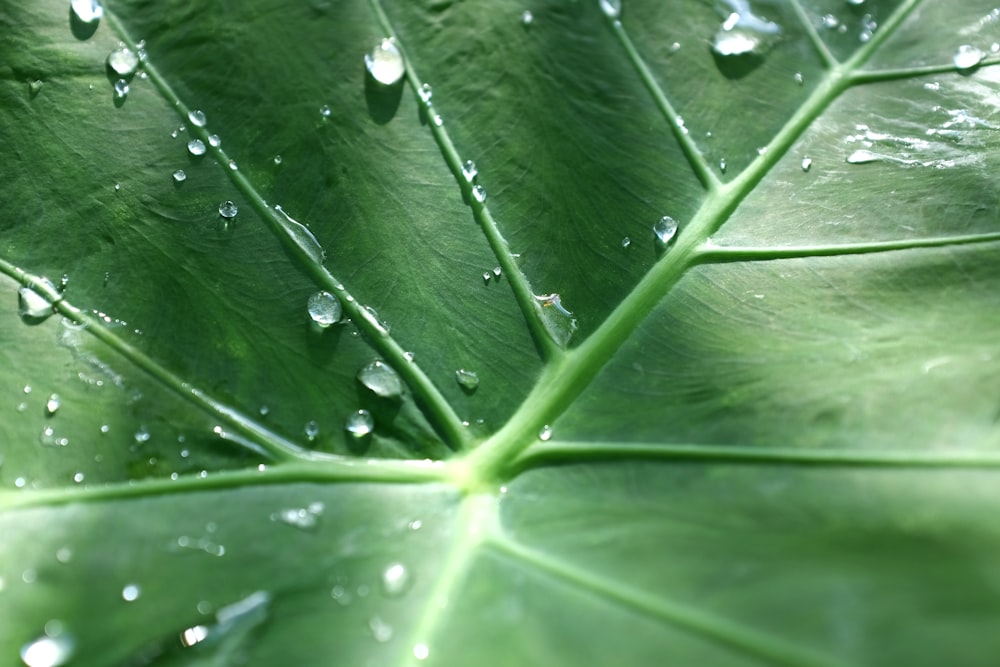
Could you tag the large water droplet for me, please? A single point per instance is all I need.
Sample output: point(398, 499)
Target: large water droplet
point(87, 11)
point(558, 321)
point(196, 147)
point(48, 651)
point(743, 33)
point(32, 307)
point(131, 592)
point(967, 57)
point(360, 424)
point(665, 229)
point(395, 580)
point(197, 118)
point(324, 309)
point(469, 171)
point(123, 61)
point(611, 8)
point(302, 236)
point(381, 380)
point(228, 209)
point(121, 89)
point(466, 379)
point(385, 63)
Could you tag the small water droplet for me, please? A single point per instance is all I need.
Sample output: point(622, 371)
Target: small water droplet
point(180, 176)
point(545, 434)
point(123, 61)
point(324, 309)
point(214, 141)
point(131, 593)
point(421, 651)
point(64, 555)
point(142, 435)
point(325, 111)
point(32, 307)
point(416, 524)
point(862, 156)
point(197, 118)
point(277, 159)
point(395, 580)
point(52, 405)
point(381, 379)
point(121, 89)
point(469, 171)
point(78, 478)
point(360, 423)
point(497, 271)
point(798, 78)
point(306, 518)
point(196, 147)
point(437, 120)
point(807, 163)
point(48, 651)
point(381, 631)
point(722, 165)
point(665, 229)
point(479, 193)
point(426, 93)
point(626, 242)
point(34, 87)
point(967, 57)
point(311, 429)
point(87, 11)
point(385, 63)
point(228, 209)
point(486, 276)
point(527, 18)
point(468, 380)
point(611, 8)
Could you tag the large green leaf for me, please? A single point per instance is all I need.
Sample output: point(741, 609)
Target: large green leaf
point(772, 440)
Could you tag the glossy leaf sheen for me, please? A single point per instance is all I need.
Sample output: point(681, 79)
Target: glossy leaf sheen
point(771, 441)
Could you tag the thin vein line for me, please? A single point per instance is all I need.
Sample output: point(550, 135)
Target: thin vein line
point(723, 631)
point(821, 48)
point(523, 294)
point(436, 407)
point(880, 75)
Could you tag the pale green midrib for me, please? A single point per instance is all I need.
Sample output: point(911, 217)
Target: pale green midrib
point(727, 633)
point(523, 294)
point(564, 379)
point(343, 470)
point(435, 406)
point(567, 452)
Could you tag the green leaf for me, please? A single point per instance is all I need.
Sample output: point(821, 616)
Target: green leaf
point(771, 439)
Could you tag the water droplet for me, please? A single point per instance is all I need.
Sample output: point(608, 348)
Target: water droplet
point(131, 593)
point(324, 111)
point(180, 176)
point(527, 18)
point(486, 276)
point(277, 159)
point(197, 118)
point(395, 580)
point(360, 424)
point(87, 11)
point(722, 165)
point(305, 518)
point(856, 3)
point(479, 193)
point(381, 380)
point(311, 429)
point(142, 435)
point(497, 271)
point(426, 93)
point(324, 309)
point(32, 307)
point(219, 643)
point(807, 163)
point(34, 87)
point(611, 8)
point(385, 63)
point(664, 230)
point(420, 651)
point(416, 524)
point(78, 477)
point(123, 61)
point(381, 631)
point(196, 147)
point(558, 321)
point(64, 555)
point(52, 405)
point(469, 171)
point(798, 78)
point(743, 33)
point(468, 380)
point(626, 242)
point(967, 57)
point(861, 156)
point(214, 141)
point(303, 238)
point(233, 165)
point(228, 209)
point(545, 434)
point(121, 89)
point(437, 120)
point(48, 651)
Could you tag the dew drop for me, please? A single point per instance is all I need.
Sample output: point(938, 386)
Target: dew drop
point(798, 78)
point(626, 242)
point(277, 159)
point(32, 307)
point(196, 147)
point(722, 165)
point(437, 120)
point(862, 156)
point(469, 171)
point(52, 405)
point(180, 176)
point(664, 230)
point(78, 477)
point(197, 118)
point(426, 93)
point(214, 141)
point(131, 593)
point(324, 309)
point(479, 193)
point(360, 424)
point(121, 89)
point(228, 209)
point(381, 631)
point(381, 380)
point(395, 580)
point(611, 8)
point(545, 434)
point(306, 518)
point(967, 57)
point(87, 11)
point(420, 651)
point(486, 276)
point(324, 111)
point(64, 555)
point(527, 18)
point(467, 380)
point(141, 435)
point(385, 63)
point(48, 651)
point(34, 87)
point(233, 165)
point(807, 163)
point(497, 271)
point(123, 61)
point(303, 238)
point(311, 429)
